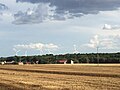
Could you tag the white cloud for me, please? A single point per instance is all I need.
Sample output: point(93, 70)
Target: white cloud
point(94, 42)
point(37, 46)
point(109, 42)
point(51, 46)
point(109, 27)
point(106, 26)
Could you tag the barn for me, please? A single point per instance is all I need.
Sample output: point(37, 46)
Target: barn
point(61, 61)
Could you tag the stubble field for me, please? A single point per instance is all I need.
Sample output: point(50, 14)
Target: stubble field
point(60, 77)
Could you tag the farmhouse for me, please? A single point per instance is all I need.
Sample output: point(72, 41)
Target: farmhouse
point(10, 62)
point(72, 62)
point(20, 63)
point(61, 61)
point(2, 63)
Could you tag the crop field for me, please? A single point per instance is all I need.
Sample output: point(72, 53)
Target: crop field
point(60, 77)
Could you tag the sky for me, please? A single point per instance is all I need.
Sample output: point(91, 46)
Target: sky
point(37, 27)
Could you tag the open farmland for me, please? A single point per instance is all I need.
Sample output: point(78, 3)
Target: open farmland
point(60, 77)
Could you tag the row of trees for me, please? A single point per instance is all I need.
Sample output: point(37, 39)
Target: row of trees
point(77, 58)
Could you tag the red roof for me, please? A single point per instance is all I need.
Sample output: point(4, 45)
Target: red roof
point(62, 61)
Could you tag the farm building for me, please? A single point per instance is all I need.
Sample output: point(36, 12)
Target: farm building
point(9, 62)
point(20, 63)
point(2, 63)
point(72, 62)
point(61, 61)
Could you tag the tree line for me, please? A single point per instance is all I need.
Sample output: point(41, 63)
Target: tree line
point(77, 58)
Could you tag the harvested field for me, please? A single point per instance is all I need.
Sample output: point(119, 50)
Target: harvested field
point(60, 77)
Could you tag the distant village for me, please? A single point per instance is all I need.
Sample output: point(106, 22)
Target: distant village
point(21, 63)
point(62, 59)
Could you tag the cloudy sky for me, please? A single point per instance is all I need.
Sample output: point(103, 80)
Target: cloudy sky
point(59, 26)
